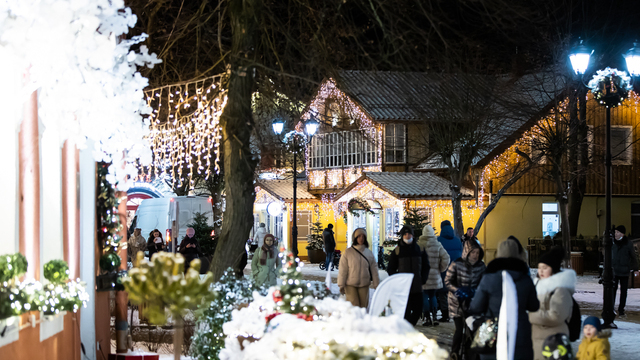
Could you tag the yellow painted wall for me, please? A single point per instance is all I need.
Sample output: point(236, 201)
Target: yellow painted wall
point(521, 216)
point(326, 218)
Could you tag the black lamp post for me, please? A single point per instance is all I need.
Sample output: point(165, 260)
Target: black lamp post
point(579, 57)
point(311, 126)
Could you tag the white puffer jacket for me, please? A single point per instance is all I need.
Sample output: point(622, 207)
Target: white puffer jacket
point(438, 258)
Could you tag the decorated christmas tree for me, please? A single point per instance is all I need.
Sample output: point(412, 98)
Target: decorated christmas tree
point(203, 234)
point(315, 241)
point(290, 297)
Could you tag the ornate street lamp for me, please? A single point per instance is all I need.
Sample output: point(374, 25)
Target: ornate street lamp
point(311, 126)
point(609, 87)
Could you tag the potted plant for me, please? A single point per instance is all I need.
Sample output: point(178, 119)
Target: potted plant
point(315, 246)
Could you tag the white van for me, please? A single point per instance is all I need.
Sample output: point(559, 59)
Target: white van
point(171, 215)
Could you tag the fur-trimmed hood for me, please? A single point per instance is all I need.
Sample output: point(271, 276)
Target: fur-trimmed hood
point(564, 279)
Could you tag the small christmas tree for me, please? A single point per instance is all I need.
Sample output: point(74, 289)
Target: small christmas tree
point(290, 297)
point(315, 240)
point(417, 218)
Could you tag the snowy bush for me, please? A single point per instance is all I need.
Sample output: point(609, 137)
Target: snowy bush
point(338, 331)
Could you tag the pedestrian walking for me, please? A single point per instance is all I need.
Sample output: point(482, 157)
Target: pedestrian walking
point(155, 243)
point(329, 246)
point(439, 261)
point(555, 290)
point(624, 260)
point(265, 262)
point(470, 235)
point(453, 245)
point(190, 248)
point(135, 244)
point(407, 257)
point(358, 270)
point(488, 297)
point(595, 341)
point(258, 237)
point(463, 277)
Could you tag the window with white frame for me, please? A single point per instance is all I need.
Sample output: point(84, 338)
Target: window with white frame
point(343, 148)
point(394, 144)
point(621, 145)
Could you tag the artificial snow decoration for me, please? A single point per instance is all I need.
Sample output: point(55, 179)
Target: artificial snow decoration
point(339, 331)
point(87, 81)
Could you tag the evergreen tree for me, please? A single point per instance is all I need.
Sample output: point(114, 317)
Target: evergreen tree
point(316, 242)
point(207, 241)
point(293, 289)
point(417, 218)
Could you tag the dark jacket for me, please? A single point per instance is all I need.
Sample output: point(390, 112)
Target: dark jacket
point(450, 241)
point(329, 241)
point(462, 274)
point(409, 258)
point(488, 299)
point(154, 247)
point(190, 252)
point(623, 257)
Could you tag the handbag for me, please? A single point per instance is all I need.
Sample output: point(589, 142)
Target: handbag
point(368, 263)
point(486, 335)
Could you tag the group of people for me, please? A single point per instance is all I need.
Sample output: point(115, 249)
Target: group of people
point(450, 273)
point(189, 246)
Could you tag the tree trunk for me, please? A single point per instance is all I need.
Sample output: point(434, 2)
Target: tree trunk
point(579, 160)
point(563, 204)
point(456, 203)
point(237, 127)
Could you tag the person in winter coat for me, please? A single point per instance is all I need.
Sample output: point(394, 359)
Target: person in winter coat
point(407, 257)
point(555, 289)
point(258, 238)
point(155, 243)
point(463, 277)
point(522, 252)
point(190, 248)
point(358, 270)
point(595, 343)
point(136, 243)
point(265, 262)
point(488, 297)
point(453, 245)
point(329, 246)
point(469, 235)
point(624, 260)
point(439, 261)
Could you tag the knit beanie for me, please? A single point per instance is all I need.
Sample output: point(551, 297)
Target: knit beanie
point(445, 223)
point(622, 229)
point(553, 258)
point(357, 233)
point(406, 229)
point(594, 321)
point(427, 230)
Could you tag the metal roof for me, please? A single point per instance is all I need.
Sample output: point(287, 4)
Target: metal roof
point(283, 189)
point(408, 185)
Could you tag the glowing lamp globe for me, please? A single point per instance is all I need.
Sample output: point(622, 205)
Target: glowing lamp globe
point(633, 60)
point(311, 127)
point(274, 209)
point(579, 57)
point(278, 126)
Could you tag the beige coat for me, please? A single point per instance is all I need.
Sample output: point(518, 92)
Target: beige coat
point(353, 268)
point(438, 260)
point(556, 305)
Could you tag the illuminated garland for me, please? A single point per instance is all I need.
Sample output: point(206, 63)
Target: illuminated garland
point(110, 226)
point(185, 129)
point(613, 81)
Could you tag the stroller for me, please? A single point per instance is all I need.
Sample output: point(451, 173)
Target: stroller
point(336, 260)
point(465, 352)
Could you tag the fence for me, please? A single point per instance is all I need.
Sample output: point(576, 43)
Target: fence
point(591, 249)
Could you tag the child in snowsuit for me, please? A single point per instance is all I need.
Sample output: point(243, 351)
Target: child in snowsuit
point(595, 343)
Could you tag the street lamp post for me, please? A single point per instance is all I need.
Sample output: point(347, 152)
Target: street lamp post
point(579, 57)
point(311, 126)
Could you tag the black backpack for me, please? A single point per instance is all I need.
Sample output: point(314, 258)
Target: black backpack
point(575, 323)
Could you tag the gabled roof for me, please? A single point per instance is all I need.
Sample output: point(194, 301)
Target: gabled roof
point(283, 189)
point(408, 185)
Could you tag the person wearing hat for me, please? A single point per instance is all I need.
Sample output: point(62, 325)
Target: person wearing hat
point(595, 343)
point(624, 261)
point(358, 270)
point(265, 262)
point(555, 290)
point(136, 243)
point(453, 245)
point(438, 262)
point(407, 257)
point(329, 246)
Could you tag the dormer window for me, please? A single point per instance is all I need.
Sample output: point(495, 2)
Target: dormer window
point(395, 150)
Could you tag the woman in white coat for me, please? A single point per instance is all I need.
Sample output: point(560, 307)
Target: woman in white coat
point(439, 261)
point(555, 289)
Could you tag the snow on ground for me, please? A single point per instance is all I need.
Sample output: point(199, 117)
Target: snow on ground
point(312, 271)
point(589, 291)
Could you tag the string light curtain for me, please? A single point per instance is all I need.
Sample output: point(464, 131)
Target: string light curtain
point(185, 130)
